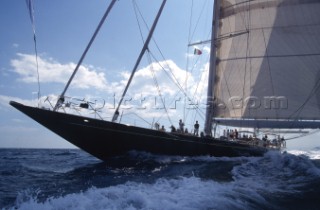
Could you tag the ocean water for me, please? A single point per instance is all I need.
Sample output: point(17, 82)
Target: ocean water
point(72, 179)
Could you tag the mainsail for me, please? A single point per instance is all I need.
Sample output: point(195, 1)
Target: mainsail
point(268, 63)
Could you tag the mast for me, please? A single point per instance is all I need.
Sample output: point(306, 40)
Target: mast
point(145, 47)
point(61, 97)
point(212, 68)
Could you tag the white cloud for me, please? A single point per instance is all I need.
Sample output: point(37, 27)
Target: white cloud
point(53, 71)
point(170, 79)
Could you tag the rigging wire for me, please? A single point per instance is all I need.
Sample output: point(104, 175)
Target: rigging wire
point(197, 22)
point(158, 88)
point(142, 52)
point(175, 81)
point(195, 115)
point(30, 6)
point(190, 37)
point(314, 90)
point(61, 97)
point(136, 11)
point(168, 71)
point(299, 110)
point(302, 135)
point(187, 63)
point(158, 48)
point(172, 77)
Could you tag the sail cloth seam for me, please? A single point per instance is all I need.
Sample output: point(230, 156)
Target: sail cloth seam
point(268, 56)
point(231, 35)
point(241, 32)
point(229, 10)
point(282, 60)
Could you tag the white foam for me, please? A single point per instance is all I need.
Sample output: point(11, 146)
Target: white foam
point(312, 154)
point(253, 179)
point(282, 173)
point(163, 159)
point(183, 193)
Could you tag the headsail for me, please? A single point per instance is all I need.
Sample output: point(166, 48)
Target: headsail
point(268, 61)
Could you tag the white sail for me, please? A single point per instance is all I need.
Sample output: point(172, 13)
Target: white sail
point(268, 60)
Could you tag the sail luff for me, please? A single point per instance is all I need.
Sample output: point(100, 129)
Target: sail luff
point(273, 70)
point(212, 69)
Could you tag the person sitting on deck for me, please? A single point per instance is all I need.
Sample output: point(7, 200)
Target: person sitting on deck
point(173, 129)
point(265, 138)
point(186, 131)
point(162, 129)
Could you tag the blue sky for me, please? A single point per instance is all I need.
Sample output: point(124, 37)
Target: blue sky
point(63, 29)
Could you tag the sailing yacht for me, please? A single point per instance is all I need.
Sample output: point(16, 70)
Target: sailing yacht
point(264, 74)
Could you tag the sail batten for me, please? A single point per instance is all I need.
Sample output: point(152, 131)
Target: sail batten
point(271, 69)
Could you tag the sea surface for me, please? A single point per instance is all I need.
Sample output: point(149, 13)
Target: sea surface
point(71, 179)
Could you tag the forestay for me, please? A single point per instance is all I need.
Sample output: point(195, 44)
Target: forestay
point(268, 61)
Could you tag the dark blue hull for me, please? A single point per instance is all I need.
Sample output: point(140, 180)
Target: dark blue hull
point(104, 139)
